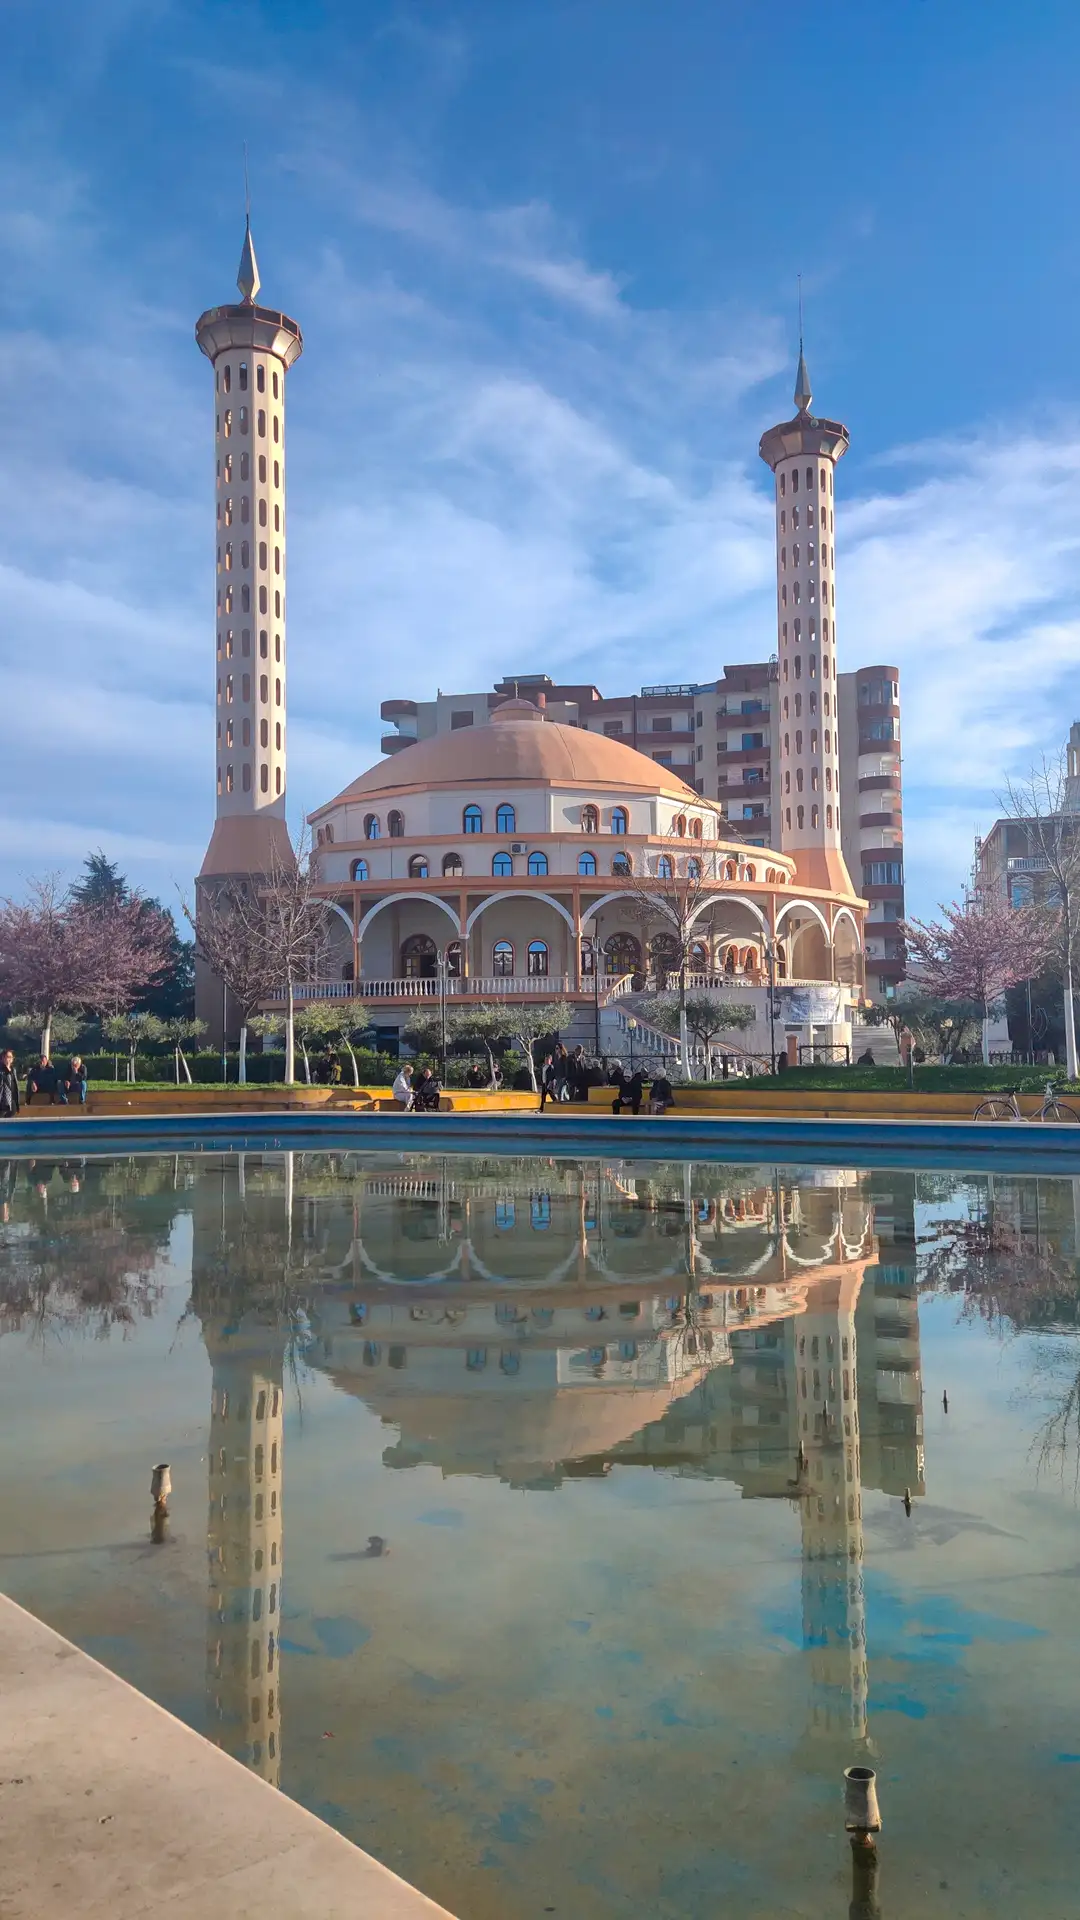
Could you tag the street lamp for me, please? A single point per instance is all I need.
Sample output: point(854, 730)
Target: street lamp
point(631, 1028)
point(770, 961)
point(440, 968)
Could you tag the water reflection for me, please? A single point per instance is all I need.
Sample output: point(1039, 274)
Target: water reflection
point(539, 1322)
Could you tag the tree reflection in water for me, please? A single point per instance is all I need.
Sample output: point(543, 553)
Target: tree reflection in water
point(81, 1244)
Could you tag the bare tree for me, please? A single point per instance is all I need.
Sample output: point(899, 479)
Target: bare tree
point(532, 1022)
point(272, 934)
point(231, 938)
point(1040, 803)
point(672, 900)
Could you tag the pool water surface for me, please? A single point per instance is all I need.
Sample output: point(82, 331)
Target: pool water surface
point(541, 1523)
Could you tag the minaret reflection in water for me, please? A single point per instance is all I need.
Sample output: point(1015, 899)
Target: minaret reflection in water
point(543, 1321)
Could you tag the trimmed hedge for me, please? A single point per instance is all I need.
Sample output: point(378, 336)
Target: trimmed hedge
point(928, 1079)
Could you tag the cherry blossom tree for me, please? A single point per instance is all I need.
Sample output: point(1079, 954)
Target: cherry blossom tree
point(975, 951)
point(58, 955)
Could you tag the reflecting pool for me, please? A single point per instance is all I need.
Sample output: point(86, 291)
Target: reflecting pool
point(543, 1524)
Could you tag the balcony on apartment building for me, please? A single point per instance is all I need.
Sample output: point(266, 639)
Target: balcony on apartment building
point(893, 819)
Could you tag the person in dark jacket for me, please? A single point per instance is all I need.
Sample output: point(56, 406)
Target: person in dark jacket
point(547, 1080)
point(9, 1085)
point(72, 1084)
point(426, 1092)
point(41, 1079)
point(629, 1094)
point(661, 1094)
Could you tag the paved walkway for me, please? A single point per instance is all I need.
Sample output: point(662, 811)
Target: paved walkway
point(110, 1808)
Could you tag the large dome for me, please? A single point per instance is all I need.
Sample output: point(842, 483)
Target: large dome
point(517, 746)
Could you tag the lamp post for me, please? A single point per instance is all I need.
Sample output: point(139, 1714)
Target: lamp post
point(440, 967)
point(770, 961)
point(631, 1028)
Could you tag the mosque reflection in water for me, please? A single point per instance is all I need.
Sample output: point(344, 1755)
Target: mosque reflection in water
point(543, 1321)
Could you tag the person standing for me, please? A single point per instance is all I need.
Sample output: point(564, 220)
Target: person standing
point(547, 1080)
point(9, 1086)
point(41, 1079)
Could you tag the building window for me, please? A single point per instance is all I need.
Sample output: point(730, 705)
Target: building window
point(262, 467)
point(883, 873)
point(664, 867)
point(505, 818)
point(618, 820)
point(622, 954)
point(538, 956)
point(418, 867)
point(262, 423)
point(260, 379)
point(264, 779)
point(371, 826)
point(277, 780)
point(613, 728)
point(358, 870)
point(502, 959)
point(588, 957)
point(590, 820)
point(395, 824)
point(472, 820)
point(462, 718)
point(586, 863)
point(622, 866)
point(452, 863)
point(419, 960)
point(538, 865)
point(693, 869)
point(245, 773)
point(502, 866)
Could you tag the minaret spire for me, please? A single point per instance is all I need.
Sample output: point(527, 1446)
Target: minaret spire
point(248, 277)
point(803, 395)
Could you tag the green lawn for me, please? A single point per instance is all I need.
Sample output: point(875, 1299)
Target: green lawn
point(928, 1079)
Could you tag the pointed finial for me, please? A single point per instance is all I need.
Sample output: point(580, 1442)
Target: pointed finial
point(803, 395)
point(248, 277)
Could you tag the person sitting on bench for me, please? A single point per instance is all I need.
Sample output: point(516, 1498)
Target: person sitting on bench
point(661, 1094)
point(628, 1093)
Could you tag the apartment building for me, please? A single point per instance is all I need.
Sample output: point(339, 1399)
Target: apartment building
point(871, 814)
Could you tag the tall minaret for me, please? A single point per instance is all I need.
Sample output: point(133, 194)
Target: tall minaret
point(251, 349)
point(803, 453)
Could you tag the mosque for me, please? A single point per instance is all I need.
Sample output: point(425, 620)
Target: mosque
point(526, 857)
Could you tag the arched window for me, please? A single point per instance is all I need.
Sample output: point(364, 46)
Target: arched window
point(699, 957)
point(502, 958)
point(505, 818)
point(828, 816)
point(359, 868)
point(472, 820)
point(751, 873)
point(618, 819)
point(695, 829)
point(452, 863)
point(622, 954)
point(680, 825)
point(419, 960)
point(538, 864)
point(798, 816)
point(693, 869)
point(590, 820)
point(663, 956)
point(418, 867)
point(371, 826)
point(588, 957)
point(538, 956)
point(622, 866)
point(395, 824)
point(731, 871)
point(815, 815)
point(453, 959)
point(586, 863)
point(502, 866)
point(663, 867)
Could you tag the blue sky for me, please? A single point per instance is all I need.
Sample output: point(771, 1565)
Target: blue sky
point(544, 255)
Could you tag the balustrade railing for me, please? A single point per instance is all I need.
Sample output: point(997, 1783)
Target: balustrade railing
point(548, 986)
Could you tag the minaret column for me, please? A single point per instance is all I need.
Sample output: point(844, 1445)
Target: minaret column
point(251, 349)
point(803, 453)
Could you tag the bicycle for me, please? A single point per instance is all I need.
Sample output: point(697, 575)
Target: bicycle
point(1006, 1106)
